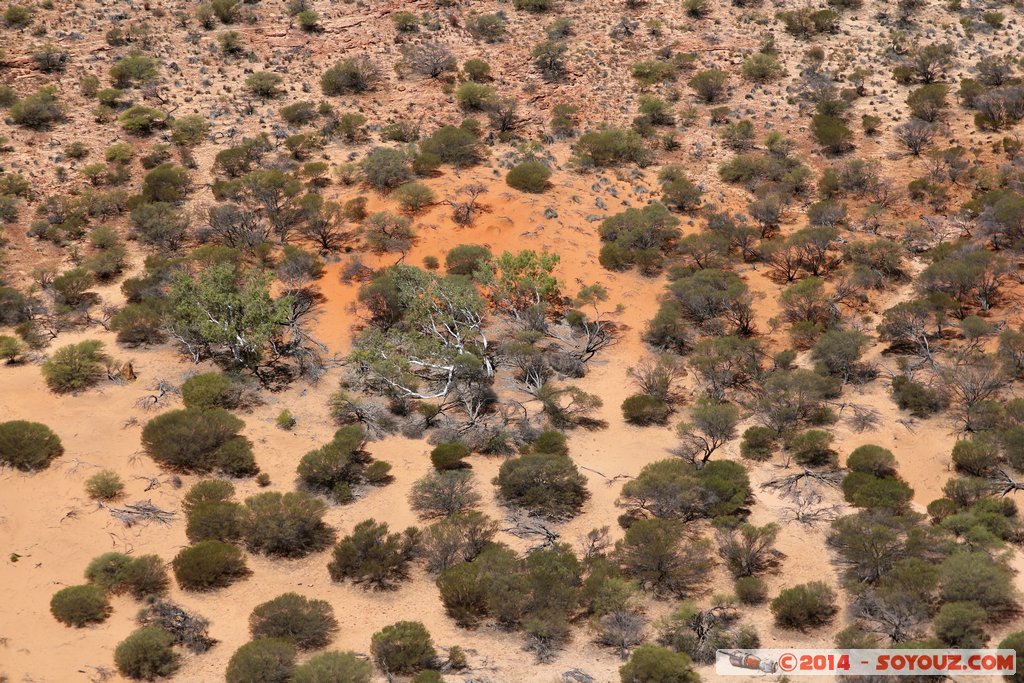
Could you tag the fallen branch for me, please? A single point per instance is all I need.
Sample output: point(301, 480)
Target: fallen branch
point(141, 513)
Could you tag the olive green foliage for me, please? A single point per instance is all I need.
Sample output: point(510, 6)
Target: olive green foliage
point(639, 237)
point(267, 660)
point(808, 604)
point(40, 110)
point(28, 445)
point(337, 466)
point(404, 647)
point(675, 489)
point(654, 664)
point(147, 654)
point(209, 390)
point(611, 147)
point(75, 367)
point(350, 76)
point(196, 440)
point(307, 623)
point(546, 484)
point(140, 576)
point(104, 485)
point(658, 556)
point(333, 667)
point(286, 524)
point(529, 176)
point(642, 409)
point(80, 605)
point(453, 145)
point(372, 556)
point(208, 565)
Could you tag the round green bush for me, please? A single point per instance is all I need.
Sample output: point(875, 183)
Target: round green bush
point(207, 565)
point(809, 604)
point(872, 460)
point(104, 485)
point(147, 654)
point(80, 605)
point(758, 443)
point(208, 390)
point(654, 664)
point(448, 456)
point(334, 667)
point(215, 520)
point(197, 440)
point(307, 623)
point(28, 445)
point(466, 259)
point(529, 176)
point(74, 367)
point(287, 525)
point(268, 660)
point(751, 590)
point(552, 442)
point(107, 571)
point(642, 410)
point(207, 491)
point(403, 648)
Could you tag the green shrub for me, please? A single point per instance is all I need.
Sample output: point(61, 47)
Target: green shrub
point(641, 409)
point(812, 447)
point(142, 120)
point(487, 27)
point(80, 605)
point(474, 96)
point(285, 420)
point(449, 456)
point(119, 573)
point(654, 664)
point(333, 667)
point(134, 69)
point(477, 70)
point(215, 520)
point(529, 176)
point(920, 400)
point(872, 459)
point(453, 145)
point(208, 565)
point(75, 367)
point(710, 84)
point(809, 604)
point(466, 259)
point(762, 68)
point(264, 84)
point(339, 463)
point(548, 485)
point(611, 146)
point(403, 648)
point(11, 348)
point(28, 445)
point(288, 524)
point(18, 16)
point(751, 590)
point(194, 440)
point(350, 76)
point(372, 556)
point(414, 197)
point(38, 110)
point(758, 443)
point(209, 390)
point(385, 168)
point(532, 5)
point(268, 660)
point(147, 654)
point(165, 183)
point(831, 133)
point(1015, 641)
point(961, 625)
point(306, 623)
point(104, 485)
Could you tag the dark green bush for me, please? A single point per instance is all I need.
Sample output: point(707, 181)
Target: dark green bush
point(209, 390)
point(809, 604)
point(80, 605)
point(333, 667)
point(39, 110)
point(758, 443)
point(641, 409)
point(209, 564)
point(28, 445)
point(268, 660)
point(466, 259)
point(286, 524)
point(308, 624)
point(654, 664)
point(529, 176)
point(338, 465)
point(812, 447)
point(453, 145)
point(611, 146)
point(385, 168)
point(548, 485)
point(75, 367)
point(372, 556)
point(118, 573)
point(147, 654)
point(449, 456)
point(1015, 641)
point(751, 590)
point(403, 648)
point(872, 460)
point(350, 76)
point(919, 399)
point(194, 440)
point(961, 625)
point(215, 520)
